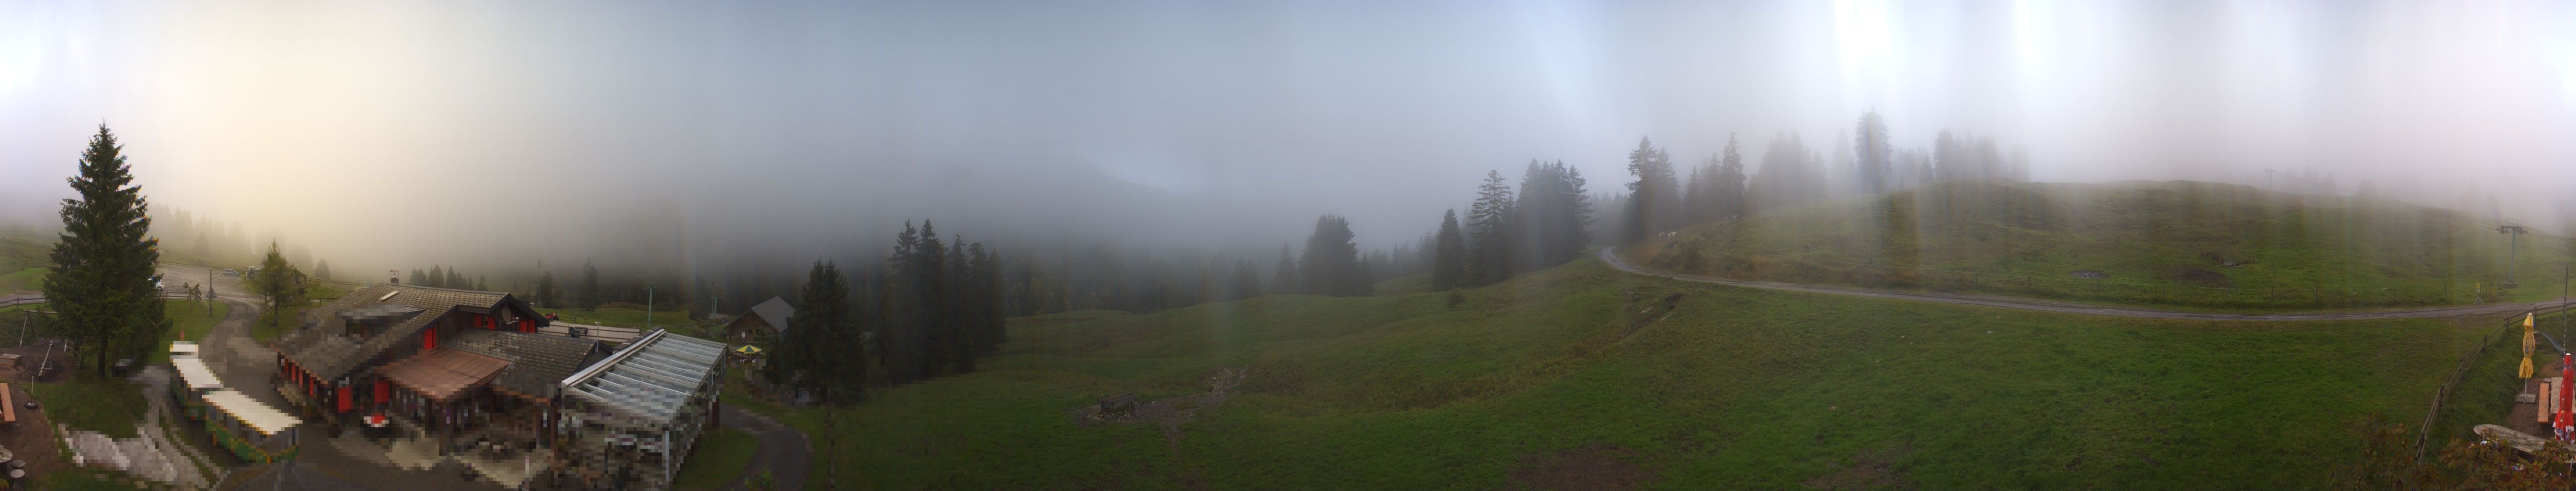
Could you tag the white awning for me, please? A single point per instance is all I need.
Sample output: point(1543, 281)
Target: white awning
point(652, 378)
point(258, 416)
point(194, 372)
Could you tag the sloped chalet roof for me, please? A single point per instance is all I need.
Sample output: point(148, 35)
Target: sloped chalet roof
point(537, 361)
point(442, 374)
point(323, 348)
point(774, 311)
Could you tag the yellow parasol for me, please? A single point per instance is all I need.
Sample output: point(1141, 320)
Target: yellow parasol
point(2528, 342)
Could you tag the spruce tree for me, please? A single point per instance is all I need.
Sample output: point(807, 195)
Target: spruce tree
point(278, 284)
point(322, 270)
point(1727, 186)
point(589, 286)
point(819, 348)
point(1247, 281)
point(1873, 153)
point(1551, 218)
point(419, 278)
point(958, 308)
point(985, 298)
point(1283, 278)
point(1648, 196)
point(902, 342)
point(1489, 232)
point(1332, 263)
point(437, 277)
point(100, 283)
point(546, 290)
point(1449, 254)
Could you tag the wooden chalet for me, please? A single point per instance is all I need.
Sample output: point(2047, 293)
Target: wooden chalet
point(451, 362)
point(764, 320)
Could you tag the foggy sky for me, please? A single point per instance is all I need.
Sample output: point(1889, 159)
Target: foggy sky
point(407, 133)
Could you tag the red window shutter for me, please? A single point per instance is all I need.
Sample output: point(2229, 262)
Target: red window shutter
point(429, 339)
point(527, 325)
point(344, 398)
point(383, 391)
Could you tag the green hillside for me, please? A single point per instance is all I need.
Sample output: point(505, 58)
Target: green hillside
point(22, 268)
point(2179, 243)
point(1575, 378)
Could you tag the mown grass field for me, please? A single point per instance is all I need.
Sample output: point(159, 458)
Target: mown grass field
point(22, 268)
point(112, 407)
point(722, 454)
point(269, 325)
point(190, 321)
point(1539, 382)
point(2189, 244)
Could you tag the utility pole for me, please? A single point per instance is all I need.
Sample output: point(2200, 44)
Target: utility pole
point(648, 307)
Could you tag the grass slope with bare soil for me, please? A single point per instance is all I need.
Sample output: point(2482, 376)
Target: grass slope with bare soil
point(2188, 244)
point(1580, 378)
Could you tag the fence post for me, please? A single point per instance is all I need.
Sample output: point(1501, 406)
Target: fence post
point(2424, 435)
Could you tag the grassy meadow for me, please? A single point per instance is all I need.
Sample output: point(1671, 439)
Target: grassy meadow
point(721, 455)
point(22, 268)
point(269, 325)
point(190, 321)
point(2187, 244)
point(1573, 378)
point(112, 407)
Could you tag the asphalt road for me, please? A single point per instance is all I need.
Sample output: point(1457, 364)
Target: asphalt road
point(783, 451)
point(2088, 309)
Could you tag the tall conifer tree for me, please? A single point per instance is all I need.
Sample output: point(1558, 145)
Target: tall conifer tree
point(101, 278)
point(1449, 254)
point(1651, 195)
point(1332, 263)
point(1283, 277)
point(1489, 234)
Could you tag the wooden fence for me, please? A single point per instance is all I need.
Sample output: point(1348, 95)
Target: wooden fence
point(2424, 436)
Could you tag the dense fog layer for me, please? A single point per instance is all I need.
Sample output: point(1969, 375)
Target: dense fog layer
point(397, 134)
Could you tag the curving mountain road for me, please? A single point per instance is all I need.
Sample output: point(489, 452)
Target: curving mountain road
point(2079, 308)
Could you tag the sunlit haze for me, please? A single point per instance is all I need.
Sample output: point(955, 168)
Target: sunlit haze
point(338, 124)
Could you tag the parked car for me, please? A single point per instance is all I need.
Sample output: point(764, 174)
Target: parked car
point(230, 273)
